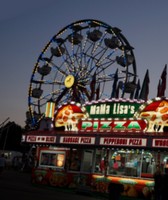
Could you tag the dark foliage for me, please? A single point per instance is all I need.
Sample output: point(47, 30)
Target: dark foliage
point(10, 137)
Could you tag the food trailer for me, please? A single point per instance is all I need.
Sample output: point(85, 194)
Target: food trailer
point(117, 140)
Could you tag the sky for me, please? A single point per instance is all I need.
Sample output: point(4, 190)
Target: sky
point(27, 26)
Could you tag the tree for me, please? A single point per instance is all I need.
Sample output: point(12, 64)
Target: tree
point(10, 137)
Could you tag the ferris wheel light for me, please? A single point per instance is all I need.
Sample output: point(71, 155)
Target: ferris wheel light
point(93, 23)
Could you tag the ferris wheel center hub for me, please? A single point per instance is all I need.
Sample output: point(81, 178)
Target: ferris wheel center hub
point(69, 81)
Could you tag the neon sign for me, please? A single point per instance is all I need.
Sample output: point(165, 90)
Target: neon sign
point(112, 109)
point(155, 112)
point(112, 125)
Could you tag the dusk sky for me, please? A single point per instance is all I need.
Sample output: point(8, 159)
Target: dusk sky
point(27, 26)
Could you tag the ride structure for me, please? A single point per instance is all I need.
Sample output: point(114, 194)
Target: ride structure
point(89, 120)
point(82, 62)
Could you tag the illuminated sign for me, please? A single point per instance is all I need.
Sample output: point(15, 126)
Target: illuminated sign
point(155, 112)
point(112, 125)
point(68, 116)
point(50, 107)
point(40, 139)
point(77, 140)
point(118, 141)
point(112, 108)
point(160, 143)
point(114, 115)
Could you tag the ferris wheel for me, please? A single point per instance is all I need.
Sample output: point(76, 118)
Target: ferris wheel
point(81, 63)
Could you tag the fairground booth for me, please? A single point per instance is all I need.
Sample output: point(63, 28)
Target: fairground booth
point(90, 121)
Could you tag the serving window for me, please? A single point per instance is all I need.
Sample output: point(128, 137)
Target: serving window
point(134, 163)
point(125, 162)
point(75, 160)
point(52, 159)
point(114, 162)
point(81, 160)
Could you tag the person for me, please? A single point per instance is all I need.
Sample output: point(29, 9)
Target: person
point(15, 162)
point(115, 167)
point(2, 163)
point(144, 165)
point(158, 179)
point(102, 165)
point(151, 168)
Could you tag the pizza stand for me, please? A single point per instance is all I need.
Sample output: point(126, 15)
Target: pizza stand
point(82, 139)
point(86, 157)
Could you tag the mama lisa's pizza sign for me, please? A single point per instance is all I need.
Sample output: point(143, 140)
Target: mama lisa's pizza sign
point(114, 115)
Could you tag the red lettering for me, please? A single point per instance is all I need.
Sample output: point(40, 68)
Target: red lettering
point(137, 142)
point(86, 140)
point(70, 140)
point(116, 125)
point(115, 141)
point(161, 143)
point(31, 139)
